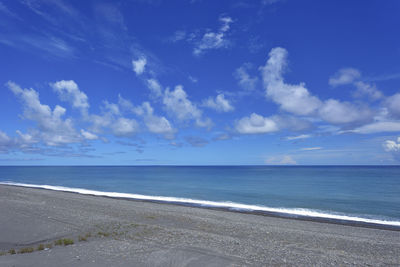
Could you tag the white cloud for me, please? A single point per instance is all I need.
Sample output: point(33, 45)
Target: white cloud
point(392, 146)
point(177, 103)
point(88, 135)
point(311, 148)
point(256, 124)
point(98, 122)
point(298, 100)
point(124, 127)
point(245, 80)
point(393, 105)
point(52, 129)
point(112, 119)
point(69, 91)
point(344, 76)
point(111, 107)
point(302, 136)
point(6, 143)
point(337, 112)
point(155, 87)
point(291, 123)
point(139, 65)
point(366, 89)
point(219, 103)
point(155, 124)
point(353, 76)
point(292, 98)
point(214, 40)
point(281, 160)
point(26, 138)
point(378, 127)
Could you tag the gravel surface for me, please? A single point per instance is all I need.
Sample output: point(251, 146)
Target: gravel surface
point(115, 232)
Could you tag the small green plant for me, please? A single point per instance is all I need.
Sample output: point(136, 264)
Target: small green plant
point(88, 235)
point(40, 247)
point(26, 250)
point(67, 241)
point(49, 245)
point(12, 251)
point(82, 238)
point(58, 242)
point(2, 253)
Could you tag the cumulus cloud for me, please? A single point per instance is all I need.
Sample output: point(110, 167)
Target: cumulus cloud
point(88, 135)
point(298, 100)
point(69, 91)
point(393, 105)
point(245, 80)
point(115, 123)
point(177, 103)
point(214, 40)
point(220, 103)
point(366, 89)
point(155, 124)
point(111, 107)
point(337, 112)
point(344, 76)
point(124, 127)
point(292, 98)
point(52, 129)
point(139, 65)
point(353, 76)
point(281, 160)
point(392, 146)
point(256, 124)
point(6, 143)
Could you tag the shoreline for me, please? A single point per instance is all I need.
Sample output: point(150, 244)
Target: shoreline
point(226, 206)
point(123, 232)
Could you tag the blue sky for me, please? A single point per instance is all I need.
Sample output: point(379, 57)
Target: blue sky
point(199, 82)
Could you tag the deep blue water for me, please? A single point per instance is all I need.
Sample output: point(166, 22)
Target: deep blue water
point(362, 191)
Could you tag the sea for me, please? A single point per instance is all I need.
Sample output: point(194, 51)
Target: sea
point(348, 194)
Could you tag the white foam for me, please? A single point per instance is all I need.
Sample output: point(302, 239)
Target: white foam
point(206, 203)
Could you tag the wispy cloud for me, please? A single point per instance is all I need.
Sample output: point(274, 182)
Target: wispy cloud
point(302, 136)
point(311, 148)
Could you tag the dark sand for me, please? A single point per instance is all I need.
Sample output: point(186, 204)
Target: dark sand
point(151, 234)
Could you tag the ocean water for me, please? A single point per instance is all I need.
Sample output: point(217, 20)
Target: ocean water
point(354, 193)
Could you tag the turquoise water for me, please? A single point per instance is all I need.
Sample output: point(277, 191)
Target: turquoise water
point(360, 191)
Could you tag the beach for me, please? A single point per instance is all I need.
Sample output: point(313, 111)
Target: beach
point(118, 232)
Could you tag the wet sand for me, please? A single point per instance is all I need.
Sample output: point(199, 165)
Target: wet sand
point(136, 233)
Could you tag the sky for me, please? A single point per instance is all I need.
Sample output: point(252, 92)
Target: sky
point(201, 82)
